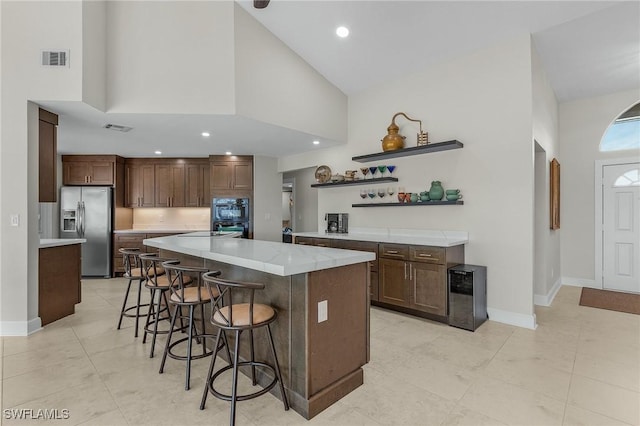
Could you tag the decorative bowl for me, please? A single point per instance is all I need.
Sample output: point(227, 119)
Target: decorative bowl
point(323, 174)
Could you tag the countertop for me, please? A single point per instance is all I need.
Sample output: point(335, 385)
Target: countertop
point(57, 242)
point(156, 231)
point(422, 237)
point(266, 256)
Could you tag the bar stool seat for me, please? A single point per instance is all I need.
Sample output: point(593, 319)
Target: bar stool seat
point(238, 318)
point(187, 293)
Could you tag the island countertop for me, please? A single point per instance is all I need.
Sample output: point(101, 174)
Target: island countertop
point(422, 237)
point(266, 256)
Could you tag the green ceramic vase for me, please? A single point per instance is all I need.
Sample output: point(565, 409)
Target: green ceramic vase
point(436, 191)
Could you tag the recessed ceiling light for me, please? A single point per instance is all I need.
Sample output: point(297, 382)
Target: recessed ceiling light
point(158, 152)
point(205, 134)
point(342, 32)
point(316, 142)
point(228, 153)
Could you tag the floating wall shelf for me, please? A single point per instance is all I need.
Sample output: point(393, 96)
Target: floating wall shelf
point(354, 182)
point(416, 150)
point(423, 203)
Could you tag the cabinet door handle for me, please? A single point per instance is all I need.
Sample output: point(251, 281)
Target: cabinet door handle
point(392, 251)
point(424, 255)
point(410, 272)
point(405, 270)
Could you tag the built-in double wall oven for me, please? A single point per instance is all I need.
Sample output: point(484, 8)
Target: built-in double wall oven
point(231, 214)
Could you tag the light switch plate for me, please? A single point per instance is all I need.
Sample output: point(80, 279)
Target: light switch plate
point(323, 311)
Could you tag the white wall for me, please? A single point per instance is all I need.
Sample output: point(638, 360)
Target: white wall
point(94, 54)
point(485, 101)
point(166, 57)
point(27, 28)
point(582, 123)
point(545, 132)
point(275, 85)
point(267, 199)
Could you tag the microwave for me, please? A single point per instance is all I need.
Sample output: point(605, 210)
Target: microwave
point(337, 223)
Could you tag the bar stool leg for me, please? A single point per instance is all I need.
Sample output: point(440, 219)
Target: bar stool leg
point(234, 386)
point(155, 326)
point(204, 340)
point(211, 367)
point(138, 307)
point(150, 311)
point(174, 315)
point(189, 344)
point(277, 365)
point(124, 304)
point(253, 367)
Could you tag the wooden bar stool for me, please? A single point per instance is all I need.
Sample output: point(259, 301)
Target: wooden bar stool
point(238, 318)
point(133, 271)
point(187, 291)
point(158, 283)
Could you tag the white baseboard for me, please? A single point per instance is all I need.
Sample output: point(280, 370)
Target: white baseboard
point(20, 328)
point(581, 282)
point(546, 299)
point(513, 318)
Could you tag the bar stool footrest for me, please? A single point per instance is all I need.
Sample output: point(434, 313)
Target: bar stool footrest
point(245, 397)
point(126, 313)
point(184, 357)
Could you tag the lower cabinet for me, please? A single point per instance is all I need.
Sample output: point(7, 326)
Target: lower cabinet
point(394, 288)
point(131, 240)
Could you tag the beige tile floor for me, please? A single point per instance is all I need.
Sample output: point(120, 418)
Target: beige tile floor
point(580, 367)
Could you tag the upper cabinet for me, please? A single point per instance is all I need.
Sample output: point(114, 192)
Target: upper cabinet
point(88, 169)
point(105, 170)
point(197, 185)
point(167, 182)
point(169, 185)
point(140, 178)
point(47, 148)
point(231, 173)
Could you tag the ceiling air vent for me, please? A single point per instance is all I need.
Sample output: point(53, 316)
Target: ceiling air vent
point(117, 127)
point(55, 58)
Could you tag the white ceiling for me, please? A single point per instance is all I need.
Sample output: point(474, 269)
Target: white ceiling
point(588, 48)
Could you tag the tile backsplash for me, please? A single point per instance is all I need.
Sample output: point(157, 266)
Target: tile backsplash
point(172, 218)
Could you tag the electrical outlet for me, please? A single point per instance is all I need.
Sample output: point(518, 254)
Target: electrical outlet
point(323, 311)
point(15, 220)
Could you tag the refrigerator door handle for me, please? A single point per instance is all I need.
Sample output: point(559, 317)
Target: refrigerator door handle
point(78, 212)
point(83, 214)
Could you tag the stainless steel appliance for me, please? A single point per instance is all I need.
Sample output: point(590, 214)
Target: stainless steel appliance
point(86, 212)
point(231, 214)
point(467, 296)
point(337, 222)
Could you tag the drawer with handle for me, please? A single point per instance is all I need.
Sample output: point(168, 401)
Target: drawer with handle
point(427, 254)
point(393, 251)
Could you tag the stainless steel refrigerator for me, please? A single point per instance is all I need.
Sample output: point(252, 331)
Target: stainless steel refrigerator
point(86, 212)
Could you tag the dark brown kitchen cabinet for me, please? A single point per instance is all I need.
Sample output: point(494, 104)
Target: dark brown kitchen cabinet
point(131, 240)
point(88, 170)
point(140, 178)
point(47, 151)
point(415, 277)
point(318, 242)
point(169, 185)
point(197, 184)
point(231, 173)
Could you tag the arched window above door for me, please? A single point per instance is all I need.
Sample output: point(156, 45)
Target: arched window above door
point(630, 178)
point(624, 132)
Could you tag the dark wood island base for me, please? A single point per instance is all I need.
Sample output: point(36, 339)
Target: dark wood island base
point(321, 362)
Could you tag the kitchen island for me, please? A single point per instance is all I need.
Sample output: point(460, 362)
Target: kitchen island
point(321, 296)
point(59, 270)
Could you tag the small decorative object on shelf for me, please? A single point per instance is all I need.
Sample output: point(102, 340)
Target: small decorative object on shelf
point(436, 192)
point(323, 174)
point(453, 194)
point(393, 141)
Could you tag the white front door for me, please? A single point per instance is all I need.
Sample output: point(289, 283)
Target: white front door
point(621, 227)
